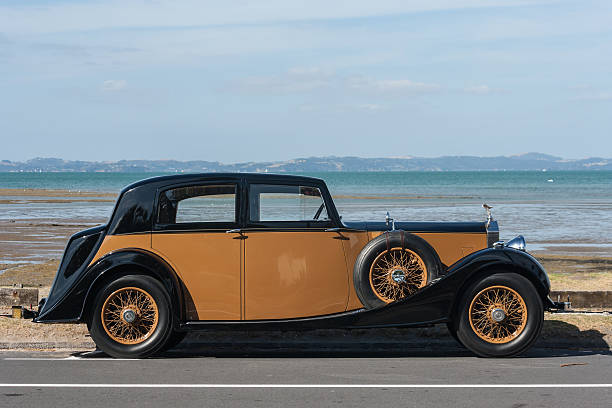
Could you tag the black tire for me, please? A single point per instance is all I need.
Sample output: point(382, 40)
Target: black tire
point(452, 330)
point(175, 338)
point(378, 246)
point(139, 347)
point(529, 317)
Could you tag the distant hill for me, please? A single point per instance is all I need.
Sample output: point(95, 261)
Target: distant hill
point(527, 161)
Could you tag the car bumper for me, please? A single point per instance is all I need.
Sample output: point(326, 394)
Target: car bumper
point(558, 306)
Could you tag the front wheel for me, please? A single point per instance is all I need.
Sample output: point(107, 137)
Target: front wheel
point(131, 317)
point(500, 316)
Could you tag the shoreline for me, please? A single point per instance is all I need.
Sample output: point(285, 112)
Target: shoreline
point(43, 192)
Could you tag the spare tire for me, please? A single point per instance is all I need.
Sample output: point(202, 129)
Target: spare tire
point(393, 266)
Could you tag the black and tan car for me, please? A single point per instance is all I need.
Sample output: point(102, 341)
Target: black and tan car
point(206, 251)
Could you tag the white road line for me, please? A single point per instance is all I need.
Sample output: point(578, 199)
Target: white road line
point(6, 385)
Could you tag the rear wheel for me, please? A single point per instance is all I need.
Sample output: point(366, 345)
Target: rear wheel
point(131, 317)
point(500, 316)
point(175, 338)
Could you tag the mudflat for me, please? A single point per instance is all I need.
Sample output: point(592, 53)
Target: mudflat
point(36, 192)
point(30, 248)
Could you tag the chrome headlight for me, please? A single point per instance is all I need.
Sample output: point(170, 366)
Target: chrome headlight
point(517, 243)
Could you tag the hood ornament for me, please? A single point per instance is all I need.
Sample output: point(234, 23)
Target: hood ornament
point(488, 209)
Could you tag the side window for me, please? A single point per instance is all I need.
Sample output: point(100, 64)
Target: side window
point(198, 204)
point(270, 202)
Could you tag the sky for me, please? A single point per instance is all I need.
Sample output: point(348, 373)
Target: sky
point(236, 81)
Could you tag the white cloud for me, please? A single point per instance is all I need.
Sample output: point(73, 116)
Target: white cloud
point(295, 80)
point(310, 72)
point(343, 108)
point(114, 85)
point(311, 79)
point(580, 87)
point(590, 92)
point(27, 18)
point(481, 90)
point(392, 85)
point(595, 96)
point(372, 107)
point(61, 38)
point(309, 108)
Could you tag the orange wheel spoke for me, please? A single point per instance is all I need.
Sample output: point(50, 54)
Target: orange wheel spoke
point(409, 268)
point(500, 298)
point(143, 307)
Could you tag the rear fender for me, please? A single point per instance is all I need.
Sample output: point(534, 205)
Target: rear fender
point(126, 262)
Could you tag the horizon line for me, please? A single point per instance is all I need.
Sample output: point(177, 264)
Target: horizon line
point(409, 157)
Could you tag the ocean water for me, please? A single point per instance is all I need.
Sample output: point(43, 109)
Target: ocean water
point(571, 211)
point(509, 185)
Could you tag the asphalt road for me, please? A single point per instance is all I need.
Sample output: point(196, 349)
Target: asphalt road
point(268, 378)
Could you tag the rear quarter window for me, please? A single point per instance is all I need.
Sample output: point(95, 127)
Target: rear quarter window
point(198, 204)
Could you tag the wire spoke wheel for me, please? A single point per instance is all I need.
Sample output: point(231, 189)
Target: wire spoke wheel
point(129, 315)
point(397, 273)
point(498, 314)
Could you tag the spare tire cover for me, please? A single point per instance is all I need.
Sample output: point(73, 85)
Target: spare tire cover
point(393, 266)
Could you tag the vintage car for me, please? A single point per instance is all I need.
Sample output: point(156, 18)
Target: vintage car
point(259, 251)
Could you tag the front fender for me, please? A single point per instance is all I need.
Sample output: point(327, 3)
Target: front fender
point(80, 298)
point(436, 302)
point(484, 263)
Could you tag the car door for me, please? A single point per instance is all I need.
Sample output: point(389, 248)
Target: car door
point(294, 267)
point(190, 234)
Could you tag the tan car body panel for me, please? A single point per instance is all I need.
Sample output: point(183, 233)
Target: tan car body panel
point(352, 247)
point(113, 243)
point(450, 246)
point(272, 274)
point(209, 264)
point(294, 274)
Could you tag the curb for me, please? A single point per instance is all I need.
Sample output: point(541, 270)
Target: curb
point(47, 345)
point(585, 300)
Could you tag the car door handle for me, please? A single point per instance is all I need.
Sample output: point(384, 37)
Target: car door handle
point(237, 231)
point(339, 231)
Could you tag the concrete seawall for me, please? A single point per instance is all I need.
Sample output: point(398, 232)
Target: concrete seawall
point(601, 299)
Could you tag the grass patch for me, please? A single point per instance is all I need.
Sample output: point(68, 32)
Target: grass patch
point(581, 281)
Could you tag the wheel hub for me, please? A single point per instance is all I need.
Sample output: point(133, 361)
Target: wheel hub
point(129, 315)
point(397, 273)
point(498, 315)
point(398, 276)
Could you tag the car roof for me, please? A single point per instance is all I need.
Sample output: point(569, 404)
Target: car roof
point(249, 177)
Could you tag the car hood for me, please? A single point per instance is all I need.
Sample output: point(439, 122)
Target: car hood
point(419, 226)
